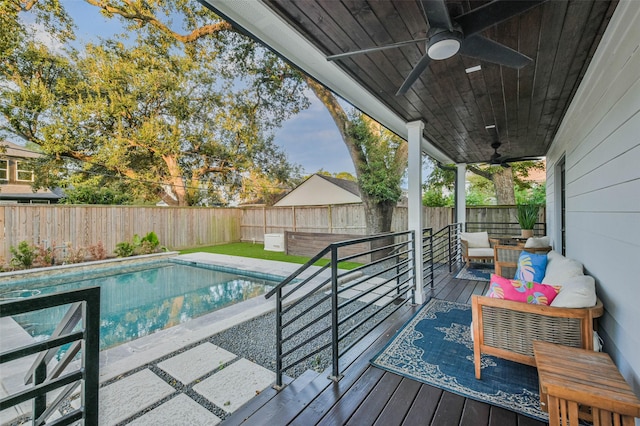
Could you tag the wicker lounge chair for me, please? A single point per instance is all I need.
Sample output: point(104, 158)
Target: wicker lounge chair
point(507, 329)
point(476, 246)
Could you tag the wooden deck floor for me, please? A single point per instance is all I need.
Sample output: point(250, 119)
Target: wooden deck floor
point(367, 395)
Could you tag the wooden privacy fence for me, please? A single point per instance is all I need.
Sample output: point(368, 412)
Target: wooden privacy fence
point(186, 227)
point(330, 219)
point(84, 226)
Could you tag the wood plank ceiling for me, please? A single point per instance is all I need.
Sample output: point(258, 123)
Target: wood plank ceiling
point(526, 106)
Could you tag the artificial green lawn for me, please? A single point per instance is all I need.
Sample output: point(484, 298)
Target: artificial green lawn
point(257, 251)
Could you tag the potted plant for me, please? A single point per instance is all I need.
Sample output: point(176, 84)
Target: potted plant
point(527, 218)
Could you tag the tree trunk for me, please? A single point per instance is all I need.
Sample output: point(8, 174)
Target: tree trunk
point(503, 183)
point(378, 217)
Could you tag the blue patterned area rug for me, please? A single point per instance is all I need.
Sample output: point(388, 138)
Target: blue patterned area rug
point(435, 348)
point(477, 272)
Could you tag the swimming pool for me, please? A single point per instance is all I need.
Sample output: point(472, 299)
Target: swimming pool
point(141, 299)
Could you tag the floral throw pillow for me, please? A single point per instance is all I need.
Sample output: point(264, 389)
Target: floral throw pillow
point(521, 291)
point(531, 267)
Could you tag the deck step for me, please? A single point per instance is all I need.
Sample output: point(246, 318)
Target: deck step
point(293, 387)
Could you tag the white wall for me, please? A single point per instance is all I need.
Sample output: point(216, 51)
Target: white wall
point(600, 139)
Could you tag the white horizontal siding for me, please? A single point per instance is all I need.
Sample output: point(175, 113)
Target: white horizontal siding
point(600, 141)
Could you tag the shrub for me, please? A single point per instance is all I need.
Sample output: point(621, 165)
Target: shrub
point(97, 252)
point(124, 249)
point(139, 245)
point(44, 256)
point(23, 256)
point(74, 255)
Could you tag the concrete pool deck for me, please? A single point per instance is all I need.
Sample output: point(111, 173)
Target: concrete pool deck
point(136, 375)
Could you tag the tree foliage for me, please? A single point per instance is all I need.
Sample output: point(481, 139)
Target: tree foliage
point(185, 119)
point(488, 185)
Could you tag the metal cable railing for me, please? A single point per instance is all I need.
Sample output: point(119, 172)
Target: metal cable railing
point(445, 247)
point(328, 309)
point(45, 378)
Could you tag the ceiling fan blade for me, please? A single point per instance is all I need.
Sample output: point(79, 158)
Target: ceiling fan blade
point(437, 14)
point(519, 159)
point(415, 73)
point(493, 13)
point(488, 50)
point(374, 49)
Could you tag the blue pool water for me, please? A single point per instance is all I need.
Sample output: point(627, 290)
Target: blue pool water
point(140, 300)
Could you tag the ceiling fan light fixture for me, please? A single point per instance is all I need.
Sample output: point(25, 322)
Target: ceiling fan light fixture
point(444, 44)
point(444, 49)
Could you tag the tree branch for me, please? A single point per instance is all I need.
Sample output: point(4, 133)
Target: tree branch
point(473, 169)
point(141, 16)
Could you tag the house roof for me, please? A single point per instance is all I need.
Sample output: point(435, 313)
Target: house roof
point(13, 150)
point(319, 189)
point(525, 105)
point(347, 185)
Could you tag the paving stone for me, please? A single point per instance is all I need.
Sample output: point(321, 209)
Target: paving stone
point(178, 411)
point(134, 393)
point(236, 384)
point(196, 362)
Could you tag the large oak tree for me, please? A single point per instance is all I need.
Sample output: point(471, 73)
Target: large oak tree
point(183, 123)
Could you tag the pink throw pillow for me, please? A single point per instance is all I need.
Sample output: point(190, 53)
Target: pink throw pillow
point(521, 291)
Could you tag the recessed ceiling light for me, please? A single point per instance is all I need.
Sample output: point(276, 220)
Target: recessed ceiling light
point(490, 126)
point(473, 69)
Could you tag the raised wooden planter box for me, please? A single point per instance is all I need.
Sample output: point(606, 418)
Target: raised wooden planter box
point(311, 243)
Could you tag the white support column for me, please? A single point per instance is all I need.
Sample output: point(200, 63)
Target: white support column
point(415, 129)
point(461, 191)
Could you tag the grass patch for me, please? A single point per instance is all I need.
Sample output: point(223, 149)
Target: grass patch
point(257, 251)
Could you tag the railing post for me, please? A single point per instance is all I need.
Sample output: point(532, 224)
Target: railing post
point(449, 242)
point(278, 386)
point(91, 323)
point(432, 256)
point(40, 401)
point(414, 265)
point(335, 372)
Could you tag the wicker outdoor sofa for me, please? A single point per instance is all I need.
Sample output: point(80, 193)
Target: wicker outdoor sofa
point(507, 329)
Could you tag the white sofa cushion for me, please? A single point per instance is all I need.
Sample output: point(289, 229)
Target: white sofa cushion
point(576, 292)
point(476, 239)
point(481, 252)
point(560, 268)
point(537, 242)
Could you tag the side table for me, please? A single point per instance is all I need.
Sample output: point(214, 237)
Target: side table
point(577, 383)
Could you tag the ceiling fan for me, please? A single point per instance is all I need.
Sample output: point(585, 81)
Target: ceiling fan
point(498, 159)
point(447, 36)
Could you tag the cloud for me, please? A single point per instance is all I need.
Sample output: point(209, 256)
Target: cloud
point(312, 140)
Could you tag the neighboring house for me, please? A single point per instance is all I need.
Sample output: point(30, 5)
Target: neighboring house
point(320, 190)
point(16, 177)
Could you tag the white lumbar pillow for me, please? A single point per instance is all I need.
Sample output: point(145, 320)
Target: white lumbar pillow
point(576, 292)
point(538, 242)
point(560, 268)
point(476, 239)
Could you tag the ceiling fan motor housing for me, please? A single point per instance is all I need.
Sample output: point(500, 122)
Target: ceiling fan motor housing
point(444, 43)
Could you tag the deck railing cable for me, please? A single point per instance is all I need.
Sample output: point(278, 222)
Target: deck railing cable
point(329, 309)
point(45, 378)
point(445, 247)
